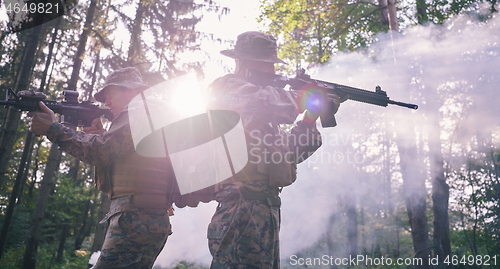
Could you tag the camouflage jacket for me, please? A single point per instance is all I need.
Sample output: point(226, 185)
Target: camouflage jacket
point(104, 151)
point(262, 109)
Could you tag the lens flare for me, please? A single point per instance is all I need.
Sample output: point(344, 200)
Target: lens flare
point(313, 98)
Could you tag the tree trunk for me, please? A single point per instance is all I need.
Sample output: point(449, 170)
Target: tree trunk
point(90, 91)
point(3, 34)
point(50, 53)
point(14, 194)
point(440, 196)
point(22, 83)
point(135, 52)
point(74, 171)
point(384, 13)
point(413, 179)
point(29, 260)
point(62, 241)
point(35, 169)
point(81, 231)
point(421, 15)
point(40, 89)
point(10, 130)
point(101, 228)
point(55, 154)
point(393, 19)
point(25, 170)
point(387, 178)
point(352, 225)
point(330, 239)
point(320, 40)
point(414, 195)
point(72, 85)
point(440, 189)
point(80, 52)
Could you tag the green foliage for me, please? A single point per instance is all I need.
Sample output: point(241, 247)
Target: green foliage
point(187, 265)
point(442, 10)
point(311, 31)
point(13, 259)
point(17, 233)
point(170, 28)
point(167, 30)
point(65, 206)
point(476, 216)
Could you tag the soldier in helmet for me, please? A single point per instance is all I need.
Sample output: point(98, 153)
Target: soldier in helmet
point(140, 188)
point(244, 231)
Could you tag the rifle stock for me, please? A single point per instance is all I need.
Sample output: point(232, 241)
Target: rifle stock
point(72, 112)
point(378, 97)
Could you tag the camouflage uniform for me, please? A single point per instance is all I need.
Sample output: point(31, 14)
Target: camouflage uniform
point(140, 189)
point(244, 231)
point(135, 236)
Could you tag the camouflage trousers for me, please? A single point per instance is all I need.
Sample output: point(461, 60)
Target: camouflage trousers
point(244, 234)
point(134, 239)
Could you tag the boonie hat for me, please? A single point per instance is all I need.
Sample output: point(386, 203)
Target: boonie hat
point(128, 77)
point(255, 46)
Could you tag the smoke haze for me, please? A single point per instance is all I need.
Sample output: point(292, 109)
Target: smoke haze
point(448, 70)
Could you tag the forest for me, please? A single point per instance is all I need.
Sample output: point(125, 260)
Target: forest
point(389, 188)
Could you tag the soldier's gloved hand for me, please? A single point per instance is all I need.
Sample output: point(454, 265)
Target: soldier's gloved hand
point(41, 120)
point(334, 102)
point(309, 97)
point(327, 104)
point(96, 127)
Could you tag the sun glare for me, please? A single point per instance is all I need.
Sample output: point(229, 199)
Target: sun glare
point(188, 98)
point(182, 95)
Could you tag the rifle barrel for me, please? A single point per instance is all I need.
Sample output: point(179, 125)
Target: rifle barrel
point(412, 106)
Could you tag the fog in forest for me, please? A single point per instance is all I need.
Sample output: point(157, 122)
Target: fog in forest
point(450, 71)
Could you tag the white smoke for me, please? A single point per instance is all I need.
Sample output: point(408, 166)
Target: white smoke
point(188, 241)
point(93, 258)
point(455, 64)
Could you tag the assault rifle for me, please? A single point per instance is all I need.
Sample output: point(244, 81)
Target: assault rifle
point(72, 112)
point(302, 81)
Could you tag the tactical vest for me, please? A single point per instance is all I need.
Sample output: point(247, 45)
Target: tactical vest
point(271, 158)
point(149, 180)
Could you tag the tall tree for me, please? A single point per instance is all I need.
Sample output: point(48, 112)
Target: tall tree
point(312, 30)
point(14, 194)
point(101, 228)
point(135, 53)
point(12, 123)
point(172, 26)
point(415, 192)
point(440, 196)
point(22, 84)
point(392, 15)
point(32, 240)
point(52, 167)
point(80, 53)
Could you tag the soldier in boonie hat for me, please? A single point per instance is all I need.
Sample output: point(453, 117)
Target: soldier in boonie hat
point(128, 77)
point(250, 200)
point(140, 189)
point(254, 46)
